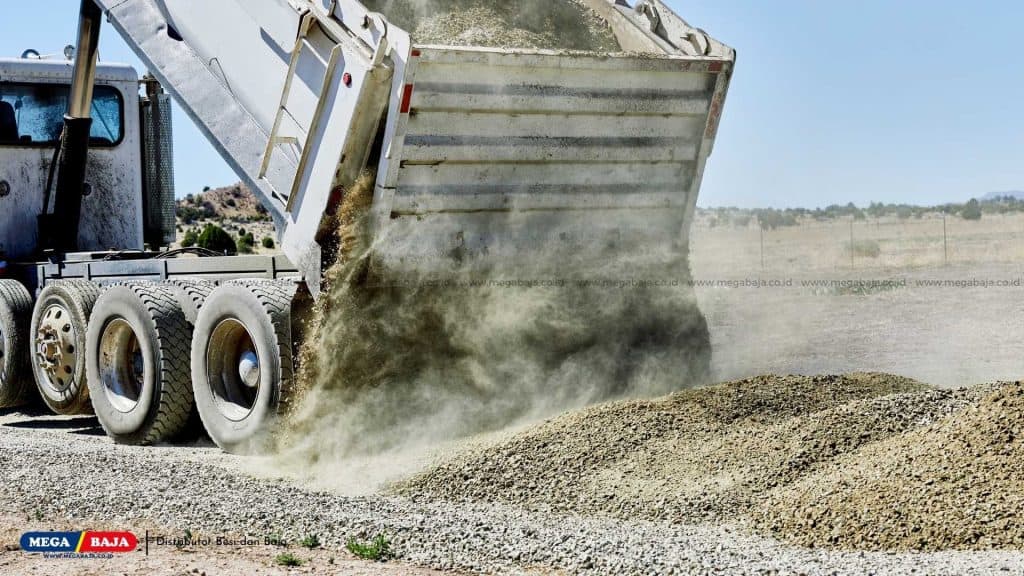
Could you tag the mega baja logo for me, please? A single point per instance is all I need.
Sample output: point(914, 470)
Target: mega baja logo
point(84, 543)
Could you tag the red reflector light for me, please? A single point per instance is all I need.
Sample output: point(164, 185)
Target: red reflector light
point(416, 53)
point(406, 99)
point(715, 67)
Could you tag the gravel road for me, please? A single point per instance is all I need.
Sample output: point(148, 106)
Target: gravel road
point(62, 473)
point(59, 470)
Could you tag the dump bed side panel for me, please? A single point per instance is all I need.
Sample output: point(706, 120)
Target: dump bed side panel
point(504, 156)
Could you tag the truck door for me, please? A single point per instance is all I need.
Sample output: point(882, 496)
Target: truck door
point(31, 119)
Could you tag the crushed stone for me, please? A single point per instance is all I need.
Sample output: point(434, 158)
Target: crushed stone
point(705, 454)
point(957, 483)
point(531, 24)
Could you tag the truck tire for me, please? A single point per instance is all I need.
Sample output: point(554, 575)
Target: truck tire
point(15, 317)
point(191, 294)
point(59, 323)
point(137, 355)
point(242, 362)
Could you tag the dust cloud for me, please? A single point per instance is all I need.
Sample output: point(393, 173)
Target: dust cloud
point(392, 372)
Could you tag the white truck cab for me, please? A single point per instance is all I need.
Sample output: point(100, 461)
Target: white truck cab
point(33, 100)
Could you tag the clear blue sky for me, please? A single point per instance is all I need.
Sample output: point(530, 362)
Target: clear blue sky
point(897, 101)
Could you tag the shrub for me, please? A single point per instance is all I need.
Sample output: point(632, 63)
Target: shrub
point(190, 239)
point(215, 238)
point(971, 210)
point(865, 248)
point(268, 242)
point(246, 243)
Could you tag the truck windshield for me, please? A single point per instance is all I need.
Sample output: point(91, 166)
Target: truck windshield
point(33, 114)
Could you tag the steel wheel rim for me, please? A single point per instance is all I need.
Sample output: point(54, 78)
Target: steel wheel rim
point(122, 366)
point(233, 369)
point(57, 347)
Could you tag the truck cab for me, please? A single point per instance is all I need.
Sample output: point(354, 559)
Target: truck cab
point(33, 100)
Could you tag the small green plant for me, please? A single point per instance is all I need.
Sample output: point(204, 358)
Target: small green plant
point(268, 242)
point(288, 559)
point(39, 514)
point(311, 541)
point(378, 550)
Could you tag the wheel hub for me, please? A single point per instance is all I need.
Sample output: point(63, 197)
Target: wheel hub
point(56, 347)
point(121, 365)
point(233, 369)
point(249, 368)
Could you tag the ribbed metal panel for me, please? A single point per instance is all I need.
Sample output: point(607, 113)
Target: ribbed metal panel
point(158, 171)
point(517, 160)
point(540, 134)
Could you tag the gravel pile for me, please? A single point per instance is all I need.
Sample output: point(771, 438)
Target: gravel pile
point(707, 454)
point(956, 484)
point(538, 24)
point(84, 480)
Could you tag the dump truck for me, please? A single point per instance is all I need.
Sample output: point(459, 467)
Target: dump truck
point(484, 157)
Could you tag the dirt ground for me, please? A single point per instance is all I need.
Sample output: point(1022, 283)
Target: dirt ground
point(815, 319)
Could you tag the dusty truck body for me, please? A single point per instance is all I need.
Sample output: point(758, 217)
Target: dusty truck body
point(484, 158)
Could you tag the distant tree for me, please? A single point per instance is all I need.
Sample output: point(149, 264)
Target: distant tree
point(268, 243)
point(206, 188)
point(241, 231)
point(971, 210)
point(190, 239)
point(216, 239)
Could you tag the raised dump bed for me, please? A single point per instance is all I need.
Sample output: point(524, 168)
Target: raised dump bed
point(486, 156)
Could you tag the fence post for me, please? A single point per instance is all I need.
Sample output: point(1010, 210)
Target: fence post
point(852, 265)
point(945, 243)
point(760, 227)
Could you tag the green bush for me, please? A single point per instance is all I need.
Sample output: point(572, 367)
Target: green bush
point(216, 239)
point(190, 239)
point(268, 243)
point(971, 210)
point(246, 243)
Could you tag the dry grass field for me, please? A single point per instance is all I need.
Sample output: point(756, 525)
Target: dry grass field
point(909, 310)
point(825, 246)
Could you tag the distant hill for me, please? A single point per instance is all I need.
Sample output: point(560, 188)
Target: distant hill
point(1016, 194)
point(235, 202)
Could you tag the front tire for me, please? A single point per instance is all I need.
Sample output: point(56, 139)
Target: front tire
point(242, 362)
point(137, 352)
point(15, 318)
point(59, 323)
